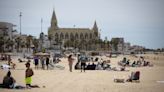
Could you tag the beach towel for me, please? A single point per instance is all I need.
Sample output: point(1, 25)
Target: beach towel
point(5, 66)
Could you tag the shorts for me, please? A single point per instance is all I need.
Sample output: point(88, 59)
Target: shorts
point(83, 64)
point(28, 80)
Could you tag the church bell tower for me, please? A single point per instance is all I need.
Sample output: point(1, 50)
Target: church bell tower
point(54, 23)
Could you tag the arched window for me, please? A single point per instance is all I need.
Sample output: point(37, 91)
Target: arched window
point(61, 36)
point(81, 36)
point(56, 36)
point(66, 36)
point(86, 36)
point(71, 36)
point(90, 35)
point(76, 36)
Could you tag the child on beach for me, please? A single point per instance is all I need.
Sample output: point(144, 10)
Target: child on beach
point(28, 75)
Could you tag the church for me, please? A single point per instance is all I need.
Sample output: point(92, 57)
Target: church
point(71, 37)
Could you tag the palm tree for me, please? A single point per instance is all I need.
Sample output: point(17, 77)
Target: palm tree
point(9, 44)
point(76, 42)
point(18, 42)
point(23, 44)
point(114, 43)
point(36, 44)
point(28, 42)
point(108, 45)
point(1, 43)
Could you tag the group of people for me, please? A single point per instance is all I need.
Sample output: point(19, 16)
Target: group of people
point(4, 57)
point(7, 58)
point(10, 82)
point(44, 61)
point(138, 63)
point(83, 63)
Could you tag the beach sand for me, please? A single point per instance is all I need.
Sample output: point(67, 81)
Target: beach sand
point(91, 81)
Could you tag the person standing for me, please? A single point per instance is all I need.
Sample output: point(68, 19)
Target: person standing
point(36, 62)
point(70, 62)
point(47, 62)
point(83, 63)
point(42, 62)
point(28, 75)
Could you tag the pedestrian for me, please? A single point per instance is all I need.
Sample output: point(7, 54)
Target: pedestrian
point(70, 62)
point(36, 62)
point(42, 62)
point(28, 75)
point(83, 62)
point(47, 62)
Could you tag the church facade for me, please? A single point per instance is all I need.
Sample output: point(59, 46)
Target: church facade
point(72, 37)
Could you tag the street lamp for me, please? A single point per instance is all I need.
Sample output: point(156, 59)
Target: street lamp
point(20, 15)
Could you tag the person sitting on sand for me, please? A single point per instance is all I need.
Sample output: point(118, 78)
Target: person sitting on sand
point(134, 64)
point(8, 81)
point(98, 66)
point(134, 76)
point(93, 66)
point(127, 62)
point(124, 60)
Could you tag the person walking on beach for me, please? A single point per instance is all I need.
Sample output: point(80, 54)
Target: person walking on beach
point(28, 75)
point(70, 62)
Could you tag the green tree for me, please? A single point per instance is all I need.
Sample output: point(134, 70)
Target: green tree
point(36, 44)
point(114, 43)
point(1, 43)
point(28, 42)
point(18, 43)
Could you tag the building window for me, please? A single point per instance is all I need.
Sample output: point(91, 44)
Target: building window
point(90, 36)
point(76, 36)
point(81, 36)
point(66, 36)
point(86, 36)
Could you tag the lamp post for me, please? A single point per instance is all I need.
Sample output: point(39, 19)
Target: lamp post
point(20, 15)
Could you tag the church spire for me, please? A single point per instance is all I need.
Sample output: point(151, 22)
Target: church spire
point(95, 28)
point(54, 20)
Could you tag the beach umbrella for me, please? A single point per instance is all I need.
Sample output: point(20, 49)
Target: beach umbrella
point(41, 54)
point(8, 53)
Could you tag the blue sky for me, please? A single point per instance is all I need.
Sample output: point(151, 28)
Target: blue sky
point(140, 22)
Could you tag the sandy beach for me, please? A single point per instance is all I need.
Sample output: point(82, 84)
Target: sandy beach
point(56, 80)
